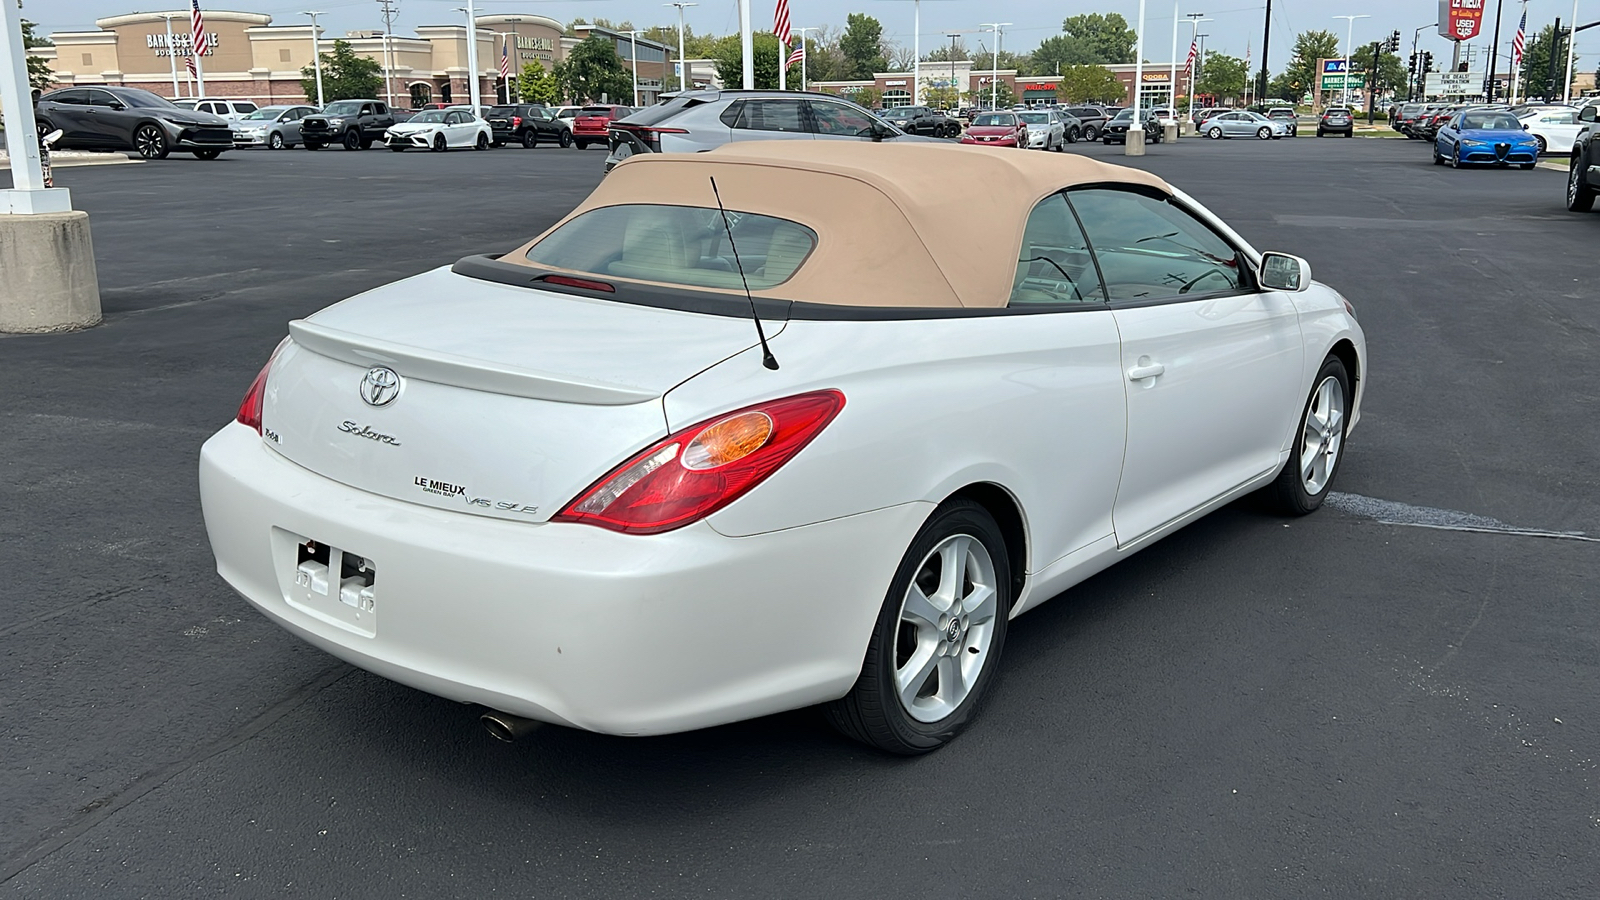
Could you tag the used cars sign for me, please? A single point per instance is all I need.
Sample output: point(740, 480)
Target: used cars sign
point(1460, 20)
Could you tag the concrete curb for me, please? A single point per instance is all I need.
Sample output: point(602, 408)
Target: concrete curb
point(61, 161)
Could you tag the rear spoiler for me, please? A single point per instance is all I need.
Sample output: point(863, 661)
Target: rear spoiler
point(461, 371)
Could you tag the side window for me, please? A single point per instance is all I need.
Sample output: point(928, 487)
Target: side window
point(70, 98)
point(1053, 264)
point(836, 118)
point(245, 107)
point(730, 116)
point(366, 110)
point(771, 115)
point(101, 98)
point(1148, 248)
point(382, 109)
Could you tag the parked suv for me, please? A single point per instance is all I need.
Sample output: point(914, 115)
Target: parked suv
point(122, 118)
point(527, 124)
point(1288, 117)
point(591, 124)
point(1336, 120)
point(232, 110)
point(692, 121)
point(1092, 119)
point(1583, 174)
point(923, 120)
point(356, 124)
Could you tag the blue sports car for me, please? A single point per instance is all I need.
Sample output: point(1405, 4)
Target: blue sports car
point(1484, 136)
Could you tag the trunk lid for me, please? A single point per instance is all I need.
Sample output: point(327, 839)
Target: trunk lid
point(510, 400)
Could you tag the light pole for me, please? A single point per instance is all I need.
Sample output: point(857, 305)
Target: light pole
point(999, 29)
point(1172, 77)
point(683, 64)
point(953, 37)
point(1194, 41)
point(316, 52)
point(1135, 138)
point(172, 58)
point(1349, 32)
point(389, 12)
point(916, 51)
point(1572, 36)
point(474, 93)
point(633, 52)
point(747, 48)
point(1415, 88)
point(804, 54)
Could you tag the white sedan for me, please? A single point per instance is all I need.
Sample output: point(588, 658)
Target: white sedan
point(440, 129)
point(1046, 130)
point(665, 467)
point(1555, 128)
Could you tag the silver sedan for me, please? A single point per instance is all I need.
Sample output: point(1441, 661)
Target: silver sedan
point(1046, 130)
point(273, 127)
point(1242, 123)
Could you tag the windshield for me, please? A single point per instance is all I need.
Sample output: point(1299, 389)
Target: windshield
point(343, 108)
point(678, 245)
point(995, 120)
point(503, 111)
point(427, 117)
point(1490, 121)
point(1281, 113)
point(1125, 114)
point(265, 112)
point(1336, 111)
point(1035, 118)
point(144, 99)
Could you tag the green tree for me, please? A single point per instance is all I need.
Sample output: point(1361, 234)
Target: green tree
point(1536, 80)
point(593, 70)
point(535, 85)
point(1300, 75)
point(947, 52)
point(862, 47)
point(1090, 84)
point(983, 92)
point(870, 97)
point(1221, 76)
point(728, 56)
point(1062, 50)
point(345, 76)
point(1391, 72)
point(940, 97)
point(39, 74)
point(1104, 39)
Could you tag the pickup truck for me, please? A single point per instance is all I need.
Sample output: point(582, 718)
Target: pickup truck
point(1583, 175)
point(356, 124)
point(923, 120)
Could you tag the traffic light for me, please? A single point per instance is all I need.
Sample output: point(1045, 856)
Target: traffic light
point(1413, 66)
point(1427, 62)
point(1392, 45)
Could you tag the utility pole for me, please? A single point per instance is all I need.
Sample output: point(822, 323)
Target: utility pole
point(955, 36)
point(683, 62)
point(1494, 49)
point(1550, 78)
point(1566, 87)
point(391, 9)
point(1266, 38)
point(999, 29)
point(316, 50)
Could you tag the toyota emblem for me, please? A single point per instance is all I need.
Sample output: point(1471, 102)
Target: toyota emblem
point(380, 386)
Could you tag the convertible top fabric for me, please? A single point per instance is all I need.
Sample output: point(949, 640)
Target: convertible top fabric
point(923, 225)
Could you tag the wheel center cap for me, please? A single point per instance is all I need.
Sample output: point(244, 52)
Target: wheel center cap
point(952, 632)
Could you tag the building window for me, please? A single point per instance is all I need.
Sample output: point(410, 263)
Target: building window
point(283, 54)
point(896, 97)
point(88, 59)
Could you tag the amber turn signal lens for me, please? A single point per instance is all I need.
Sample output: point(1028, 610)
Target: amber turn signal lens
point(731, 439)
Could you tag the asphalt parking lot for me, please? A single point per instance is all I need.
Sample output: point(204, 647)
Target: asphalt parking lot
point(1255, 707)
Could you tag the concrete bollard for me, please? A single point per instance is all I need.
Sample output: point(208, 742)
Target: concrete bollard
point(47, 274)
point(1135, 144)
point(1170, 132)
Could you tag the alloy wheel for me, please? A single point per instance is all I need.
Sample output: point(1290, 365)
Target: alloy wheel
point(150, 141)
point(276, 141)
point(946, 624)
point(1322, 436)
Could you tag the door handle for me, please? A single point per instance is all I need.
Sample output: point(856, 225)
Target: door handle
point(1145, 369)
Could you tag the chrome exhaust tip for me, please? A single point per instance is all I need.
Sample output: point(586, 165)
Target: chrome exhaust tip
point(507, 727)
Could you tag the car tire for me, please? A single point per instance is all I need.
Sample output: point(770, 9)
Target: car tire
point(1214, 133)
point(1090, 133)
point(207, 154)
point(483, 142)
point(565, 140)
point(1543, 147)
point(366, 143)
point(150, 141)
point(915, 643)
point(1455, 158)
point(1580, 196)
point(1308, 473)
point(43, 127)
point(530, 139)
point(1264, 133)
point(439, 144)
point(275, 141)
point(1437, 159)
point(352, 140)
point(582, 144)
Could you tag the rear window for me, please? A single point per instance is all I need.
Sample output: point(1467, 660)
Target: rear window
point(595, 111)
point(685, 245)
point(650, 115)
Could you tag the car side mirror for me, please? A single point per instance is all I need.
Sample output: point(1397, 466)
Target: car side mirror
point(116, 105)
point(1282, 272)
point(1524, 126)
point(1587, 114)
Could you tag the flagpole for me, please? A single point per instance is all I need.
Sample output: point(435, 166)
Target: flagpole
point(172, 58)
point(1172, 76)
point(747, 59)
point(1572, 34)
point(200, 69)
point(916, 53)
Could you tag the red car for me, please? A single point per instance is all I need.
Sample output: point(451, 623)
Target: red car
point(589, 125)
point(996, 129)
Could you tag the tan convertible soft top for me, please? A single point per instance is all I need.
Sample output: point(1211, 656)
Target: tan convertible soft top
point(920, 224)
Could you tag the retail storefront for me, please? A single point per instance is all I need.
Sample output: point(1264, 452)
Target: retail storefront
point(253, 59)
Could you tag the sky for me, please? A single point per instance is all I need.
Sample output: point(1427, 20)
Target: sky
point(1236, 25)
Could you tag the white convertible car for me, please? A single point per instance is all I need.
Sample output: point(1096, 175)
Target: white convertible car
point(439, 129)
point(582, 484)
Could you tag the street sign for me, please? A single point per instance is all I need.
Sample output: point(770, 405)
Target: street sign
point(1336, 82)
point(1453, 83)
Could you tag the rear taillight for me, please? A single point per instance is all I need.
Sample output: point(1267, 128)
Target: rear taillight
point(691, 474)
point(250, 407)
point(516, 121)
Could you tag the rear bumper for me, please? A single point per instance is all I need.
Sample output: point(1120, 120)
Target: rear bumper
point(563, 623)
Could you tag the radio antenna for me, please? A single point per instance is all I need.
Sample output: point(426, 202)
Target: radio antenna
point(767, 359)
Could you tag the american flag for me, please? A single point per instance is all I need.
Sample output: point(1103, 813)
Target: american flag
point(197, 28)
point(188, 63)
point(798, 54)
point(1188, 67)
point(1520, 41)
point(780, 22)
point(505, 60)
